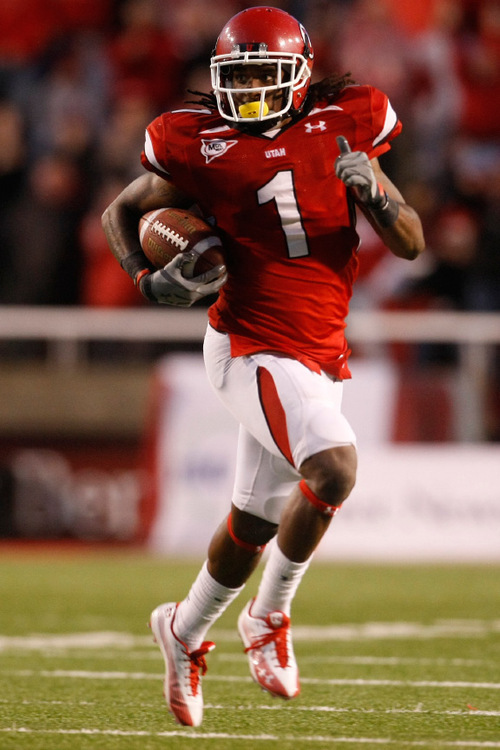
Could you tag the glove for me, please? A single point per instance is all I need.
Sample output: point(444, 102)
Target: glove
point(355, 170)
point(169, 287)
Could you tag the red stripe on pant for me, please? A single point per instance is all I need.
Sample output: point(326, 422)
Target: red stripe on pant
point(274, 412)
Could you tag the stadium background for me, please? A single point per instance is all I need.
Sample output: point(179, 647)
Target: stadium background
point(85, 420)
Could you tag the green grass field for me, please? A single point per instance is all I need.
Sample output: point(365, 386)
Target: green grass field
point(390, 656)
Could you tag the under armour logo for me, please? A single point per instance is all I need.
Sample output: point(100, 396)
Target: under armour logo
point(310, 127)
point(217, 147)
point(265, 675)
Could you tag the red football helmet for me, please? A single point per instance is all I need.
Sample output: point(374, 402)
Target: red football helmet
point(261, 36)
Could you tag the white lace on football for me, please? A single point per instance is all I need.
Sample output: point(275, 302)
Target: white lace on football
point(169, 234)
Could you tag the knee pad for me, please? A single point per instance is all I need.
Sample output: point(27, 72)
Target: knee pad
point(324, 508)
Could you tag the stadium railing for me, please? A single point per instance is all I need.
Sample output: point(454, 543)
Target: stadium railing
point(67, 330)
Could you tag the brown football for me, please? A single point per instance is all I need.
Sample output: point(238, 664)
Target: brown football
point(166, 232)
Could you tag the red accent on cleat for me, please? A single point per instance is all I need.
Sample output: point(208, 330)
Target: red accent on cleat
point(182, 683)
point(268, 644)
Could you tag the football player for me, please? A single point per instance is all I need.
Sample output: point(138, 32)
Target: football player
point(279, 166)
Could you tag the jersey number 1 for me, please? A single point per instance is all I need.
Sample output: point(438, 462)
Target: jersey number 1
point(281, 190)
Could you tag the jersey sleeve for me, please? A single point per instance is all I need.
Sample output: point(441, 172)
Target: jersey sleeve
point(374, 120)
point(155, 154)
point(385, 124)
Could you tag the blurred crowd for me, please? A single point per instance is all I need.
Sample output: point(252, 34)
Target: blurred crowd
point(80, 80)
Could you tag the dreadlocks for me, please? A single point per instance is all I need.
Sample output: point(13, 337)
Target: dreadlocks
point(205, 100)
point(327, 88)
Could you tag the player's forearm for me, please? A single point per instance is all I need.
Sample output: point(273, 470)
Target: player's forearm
point(396, 223)
point(404, 238)
point(120, 220)
point(120, 223)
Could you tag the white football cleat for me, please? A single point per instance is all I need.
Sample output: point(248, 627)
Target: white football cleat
point(182, 683)
point(268, 644)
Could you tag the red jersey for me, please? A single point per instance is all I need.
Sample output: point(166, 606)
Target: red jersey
point(286, 221)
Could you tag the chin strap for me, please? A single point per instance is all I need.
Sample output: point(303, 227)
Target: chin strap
point(257, 128)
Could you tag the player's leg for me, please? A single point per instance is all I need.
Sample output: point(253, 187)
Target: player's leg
point(237, 546)
point(303, 414)
point(234, 552)
point(262, 484)
point(263, 393)
point(328, 478)
point(264, 624)
point(180, 628)
point(294, 416)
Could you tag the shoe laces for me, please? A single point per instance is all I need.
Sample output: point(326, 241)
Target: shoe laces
point(197, 663)
point(279, 625)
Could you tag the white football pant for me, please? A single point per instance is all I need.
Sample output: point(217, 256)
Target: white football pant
point(286, 413)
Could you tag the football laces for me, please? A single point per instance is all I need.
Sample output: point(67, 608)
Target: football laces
point(169, 234)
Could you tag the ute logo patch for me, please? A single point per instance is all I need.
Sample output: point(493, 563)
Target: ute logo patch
point(214, 148)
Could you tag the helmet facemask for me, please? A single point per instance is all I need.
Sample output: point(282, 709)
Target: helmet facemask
point(244, 105)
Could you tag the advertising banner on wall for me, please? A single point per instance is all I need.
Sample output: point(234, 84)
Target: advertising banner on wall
point(412, 502)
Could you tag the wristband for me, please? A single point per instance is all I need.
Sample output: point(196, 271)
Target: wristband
point(386, 214)
point(134, 263)
point(140, 275)
point(144, 286)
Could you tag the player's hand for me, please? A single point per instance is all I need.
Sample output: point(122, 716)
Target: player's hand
point(169, 287)
point(355, 171)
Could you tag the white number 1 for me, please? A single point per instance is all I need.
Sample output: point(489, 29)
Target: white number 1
point(281, 190)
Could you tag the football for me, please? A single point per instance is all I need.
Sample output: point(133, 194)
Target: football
point(166, 232)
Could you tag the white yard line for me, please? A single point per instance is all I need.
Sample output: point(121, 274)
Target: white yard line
point(127, 645)
point(344, 632)
point(280, 707)
point(84, 674)
point(192, 735)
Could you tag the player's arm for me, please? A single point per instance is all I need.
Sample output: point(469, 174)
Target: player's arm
point(396, 223)
point(120, 222)
point(405, 237)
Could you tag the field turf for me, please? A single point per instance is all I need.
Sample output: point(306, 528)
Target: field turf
point(394, 657)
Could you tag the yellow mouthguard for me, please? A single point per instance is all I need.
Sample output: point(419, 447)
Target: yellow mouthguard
point(252, 109)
